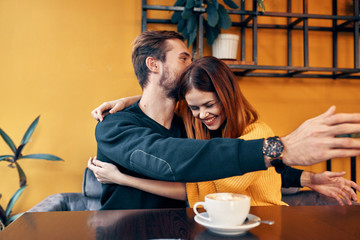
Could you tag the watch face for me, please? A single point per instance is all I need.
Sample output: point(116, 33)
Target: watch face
point(273, 147)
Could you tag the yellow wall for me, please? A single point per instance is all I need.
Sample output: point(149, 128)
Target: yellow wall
point(60, 59)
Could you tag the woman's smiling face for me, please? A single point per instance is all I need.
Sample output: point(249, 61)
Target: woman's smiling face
point(206, 107)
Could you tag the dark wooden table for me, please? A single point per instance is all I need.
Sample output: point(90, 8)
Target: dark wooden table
point(302, 222)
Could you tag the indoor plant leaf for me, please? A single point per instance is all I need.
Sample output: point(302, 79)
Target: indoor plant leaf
point(18, 152)
point(211, 33)
point(180, 3)
point(43, 156)
point(6, 157)
point(190, 4)
point(2, 216)
point(187, 13)
point(29, 131)
point(231, 4)
point(13, 218)
point(2, 225)
point(192, 36)
point(224, 18)
point(13, 200)
point(184, 32)
point(8, 140)
point(212, 15)
point(176, 17)
point(181, 25)
point(22, 176)
point(213, 2)
point(191, 24)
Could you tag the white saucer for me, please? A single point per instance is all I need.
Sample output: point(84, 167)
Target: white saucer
point(253, 221)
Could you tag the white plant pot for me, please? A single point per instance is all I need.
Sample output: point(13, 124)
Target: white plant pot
point(225, 46)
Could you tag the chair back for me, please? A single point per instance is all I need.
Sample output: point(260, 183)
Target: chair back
point(91, 186)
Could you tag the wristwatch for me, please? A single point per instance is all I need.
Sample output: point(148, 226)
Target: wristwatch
point(273, 148)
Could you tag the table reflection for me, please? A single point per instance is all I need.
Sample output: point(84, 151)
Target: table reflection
point(134, 224)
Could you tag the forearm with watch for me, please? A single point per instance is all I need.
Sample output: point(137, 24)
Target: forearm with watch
point(273, 149)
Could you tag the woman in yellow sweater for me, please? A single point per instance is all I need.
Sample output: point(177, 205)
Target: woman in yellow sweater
point(214, 107)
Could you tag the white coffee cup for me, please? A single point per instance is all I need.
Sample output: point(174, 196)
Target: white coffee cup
point(225, 209)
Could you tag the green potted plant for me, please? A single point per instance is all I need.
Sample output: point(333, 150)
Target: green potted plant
point(5, 214)
point(216, 18)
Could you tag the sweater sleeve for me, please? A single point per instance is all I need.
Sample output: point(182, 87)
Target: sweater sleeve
point(291, 177)
point(124, 140)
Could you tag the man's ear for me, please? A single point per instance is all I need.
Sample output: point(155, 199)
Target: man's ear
point(152, 64)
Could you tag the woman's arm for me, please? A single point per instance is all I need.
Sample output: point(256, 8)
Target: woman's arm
point(113, 106)
point(109, 173)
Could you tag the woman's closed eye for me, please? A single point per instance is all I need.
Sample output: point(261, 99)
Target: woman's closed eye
point(193, 108)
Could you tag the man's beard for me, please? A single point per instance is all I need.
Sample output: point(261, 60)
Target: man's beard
point(168, 84)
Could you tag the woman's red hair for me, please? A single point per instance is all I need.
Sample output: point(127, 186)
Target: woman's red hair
point(210, 74)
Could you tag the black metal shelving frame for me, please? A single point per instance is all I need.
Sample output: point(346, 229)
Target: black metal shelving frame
point(294, 22)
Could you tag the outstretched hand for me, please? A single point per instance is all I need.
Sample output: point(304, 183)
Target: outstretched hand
point(314, 141)
point(332, 184)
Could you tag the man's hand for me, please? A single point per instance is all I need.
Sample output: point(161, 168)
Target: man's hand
point(112, 107)
point(331, 184)
point(314, 141)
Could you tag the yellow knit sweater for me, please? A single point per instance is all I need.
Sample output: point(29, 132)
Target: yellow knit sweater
point(264, 187)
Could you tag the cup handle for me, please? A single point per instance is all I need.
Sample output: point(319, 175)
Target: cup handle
point(197, 213)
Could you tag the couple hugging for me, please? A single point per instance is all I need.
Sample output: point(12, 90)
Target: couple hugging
point(192, 133)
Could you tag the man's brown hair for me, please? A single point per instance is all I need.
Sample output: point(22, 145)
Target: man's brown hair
point(150, 44)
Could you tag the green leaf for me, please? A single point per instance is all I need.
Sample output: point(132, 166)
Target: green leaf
point(176, 17)
point(198, 3)
point(8, 141)
point(181, 25)
point(190, 4)
point(29, 131)
point(211, 33)
point(192, 37)
point(224, 18)
point(2, 225)
point(2, 215)
point(231, 4)
point(191, 24)
point(185, 33)
point(13, 218)
point(43, 156)
point(13, 200)
point(6, 157)
point(187, 13)
point(22, 176)
point(180, 3)
point(215, 3)
point(212, 15)
point(18, 152)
